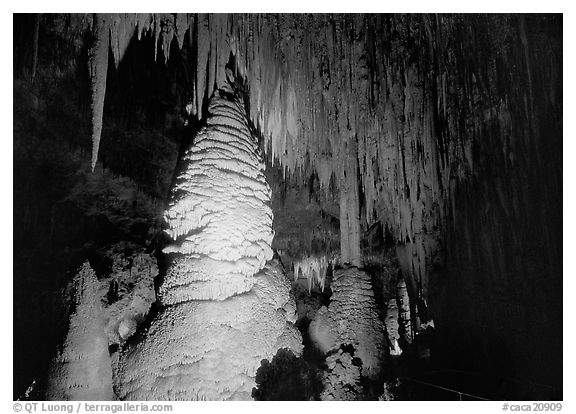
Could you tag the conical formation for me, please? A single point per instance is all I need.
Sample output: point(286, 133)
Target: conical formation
point(351, 319)
point(225, 309)
point(220, 217)
point(82, 369)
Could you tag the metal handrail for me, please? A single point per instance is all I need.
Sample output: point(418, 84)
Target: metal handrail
point(480, 374)
point(460, 393)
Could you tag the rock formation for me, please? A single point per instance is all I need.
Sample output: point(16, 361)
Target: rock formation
point(224, 308)
point(404, 318)
point(342, 378)
point(105, 311)
point(392, 327)
point(351, 319)
point(82, 368)
point(129, 292)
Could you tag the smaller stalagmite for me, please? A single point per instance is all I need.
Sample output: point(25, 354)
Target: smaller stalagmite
point(392, 327)
point(351, 319)
point(82, 368)
point(404, 318)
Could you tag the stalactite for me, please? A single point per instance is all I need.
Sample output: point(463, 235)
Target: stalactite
point(314, 269)
point(114, 32)
point(37, 18)
point(181, 25)
point(98, 67)
point(122, 29)
point(203, 51)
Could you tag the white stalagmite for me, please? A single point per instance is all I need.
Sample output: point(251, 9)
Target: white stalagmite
point(82, 369)
point(404, 311)
point(392, 327)
point(226, 306)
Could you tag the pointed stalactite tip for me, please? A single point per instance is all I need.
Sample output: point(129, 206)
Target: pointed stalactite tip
point(94, 158)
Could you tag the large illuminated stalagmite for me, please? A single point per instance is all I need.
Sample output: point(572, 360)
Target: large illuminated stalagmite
point(226, 305)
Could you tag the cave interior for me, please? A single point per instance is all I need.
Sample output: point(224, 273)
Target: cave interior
point(387, 225)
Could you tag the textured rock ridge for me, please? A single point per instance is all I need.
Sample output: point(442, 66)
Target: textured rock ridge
point(351, 319)
point(220, 217)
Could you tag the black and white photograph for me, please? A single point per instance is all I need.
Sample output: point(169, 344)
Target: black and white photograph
point(298, 206)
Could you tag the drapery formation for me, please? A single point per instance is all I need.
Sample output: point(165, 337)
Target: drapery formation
point(397, 92)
